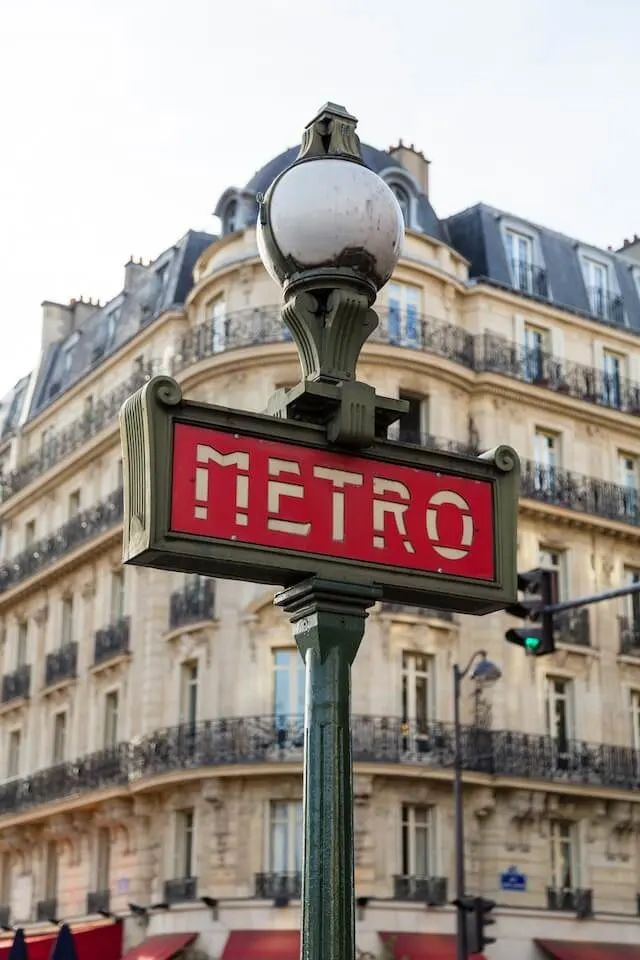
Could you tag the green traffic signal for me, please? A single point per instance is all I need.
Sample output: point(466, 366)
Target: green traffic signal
point(531, 643)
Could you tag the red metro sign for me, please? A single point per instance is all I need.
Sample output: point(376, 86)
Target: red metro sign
point(294, 498)
point(252, 497)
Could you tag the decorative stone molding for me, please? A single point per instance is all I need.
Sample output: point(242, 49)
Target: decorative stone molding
point(89, 587)
point(595, 819)
point(41, 615)
point(520, 819)
point(249, 625)
point(116, 817)
point(623, 823)
point(362, 787)
point(62, 830)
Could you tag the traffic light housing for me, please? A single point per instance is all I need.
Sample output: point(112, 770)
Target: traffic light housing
point(478, 919)
point(539, 589)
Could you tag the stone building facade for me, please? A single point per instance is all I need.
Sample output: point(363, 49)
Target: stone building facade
point(150, 724)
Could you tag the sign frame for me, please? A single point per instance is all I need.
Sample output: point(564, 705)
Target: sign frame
point(147, 422)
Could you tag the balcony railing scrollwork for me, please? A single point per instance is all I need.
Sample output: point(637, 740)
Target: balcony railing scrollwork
point(278, 886)
point(193, 603)
point(629, 637)
point(16, 685)
point(429, 890)
point(111, 641)
point(46, 909)
point(98, 901)
point(277, 739)
point(180, 889)
point(61, 664)
point(575, 491)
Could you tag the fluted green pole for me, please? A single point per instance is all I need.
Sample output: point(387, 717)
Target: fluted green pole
point(328, 624)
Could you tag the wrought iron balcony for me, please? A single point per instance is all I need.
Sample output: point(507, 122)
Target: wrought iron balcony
point(529, 278)
point(84, 526)
point(94, 771)
point(570, 901)
point(629, 637)
point(575, 491)
point(496, 354)
point(16, 685)
point(47, 909)
point(180, 890)
point(5, 915)
point(61, 664)
point(573, 627)
point(98, 901)
point(192, 604)
point(103, 413)
point(429, 890)
point(278, 886)
point(111, 641)
point(607, 306)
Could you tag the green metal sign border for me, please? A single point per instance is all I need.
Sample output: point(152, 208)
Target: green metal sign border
point(146, 424)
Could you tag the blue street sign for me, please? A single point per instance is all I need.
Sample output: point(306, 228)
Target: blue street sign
point(513, 881)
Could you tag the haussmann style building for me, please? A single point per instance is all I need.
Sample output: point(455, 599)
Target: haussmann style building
point(151, 724)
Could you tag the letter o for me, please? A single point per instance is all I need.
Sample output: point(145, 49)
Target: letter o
point(455, 500)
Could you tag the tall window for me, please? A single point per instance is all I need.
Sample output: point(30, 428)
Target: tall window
point(66, 630)
point(74, 504)
point(5, 879)
point(216, 314)
point(404, 313)
point(22, 643)
point(612, 375)
point(116, 600)
point(555, 560)
point(631, 609)
point(414, 425)
point(628, 470)
point(559, 712)
point(597, 277)
point(51, 871)
point(535, 346)
point(285, 837)
point(563, 856)
point(520, 254)
point(402, 197)
point(103, 859)
point(59, 737)
point(288, 684)
point(635, 718)
point(417, 679)
point(111, 711)
point(418, 847)
point(189, 692)
point(183, 859)
point(29, 533)
point(547, 454)
point(14, 746)
point(230, 218)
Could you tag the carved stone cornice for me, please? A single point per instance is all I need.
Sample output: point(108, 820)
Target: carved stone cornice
point(41, 615)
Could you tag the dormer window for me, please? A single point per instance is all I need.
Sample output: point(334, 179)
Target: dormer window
point(230, 218)
point(526, 274)
point(402, 197)
point(112, 319)
point(597, 280)
point(163, 276)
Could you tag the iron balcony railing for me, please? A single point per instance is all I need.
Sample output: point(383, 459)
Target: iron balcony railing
point(570, 900)
point(192, 603)
point(180, 890)
point(607, 306)
point(629, 637)
point(61, 664)
point(276, 739)
point(278, 886)
point(98, 901)
point(429, 890)
point(111, 641)
point(575, 491)
point(47, 909)
point(84, 526)
point(16, 685)
point(529, 278)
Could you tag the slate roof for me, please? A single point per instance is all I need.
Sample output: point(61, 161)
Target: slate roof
point(476, 233)
point(164, 283)
point(12, 406)
point(376, 160)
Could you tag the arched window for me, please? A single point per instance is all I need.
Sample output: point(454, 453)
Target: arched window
point(402, 197)
point(229, 224)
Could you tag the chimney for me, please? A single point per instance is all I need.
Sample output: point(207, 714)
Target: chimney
point(134, 270)
point(631, 248)
point(414, 161)
point(59, 320)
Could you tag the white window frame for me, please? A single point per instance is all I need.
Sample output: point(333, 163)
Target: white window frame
point(293, 671)
point(424, 414)
point(553, 697)
point(216, 317)
point(67, 620)
point(58, 755)
point(520, 268)
point(111, 726)
point(414, 820)
point(631, 603)
point(184, 846)
point(556, 559)
point(563, 833)
point(189, 691)
point(598, 293)
point(285, 819)
point(22, 643)
point(411, 674)
point(634, 717)
point(14, 757)
point(117, 595)
point(404, 312)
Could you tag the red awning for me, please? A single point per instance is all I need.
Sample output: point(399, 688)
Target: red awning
point(164, 946)
point(421, 946)
point(574, 950)
point(262, 945)
point(102, 942)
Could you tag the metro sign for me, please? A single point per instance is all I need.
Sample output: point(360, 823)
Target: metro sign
point(252, 497)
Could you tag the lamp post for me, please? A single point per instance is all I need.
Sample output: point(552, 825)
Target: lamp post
point(330, 232)
point(485, 673)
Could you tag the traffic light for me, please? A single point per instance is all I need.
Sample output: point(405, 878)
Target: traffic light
point(478, 919)
point(539, 589)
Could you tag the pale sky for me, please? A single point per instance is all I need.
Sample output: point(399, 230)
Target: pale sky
point(124, 120)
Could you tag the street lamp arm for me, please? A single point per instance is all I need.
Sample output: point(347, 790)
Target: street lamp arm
point(478, 655)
